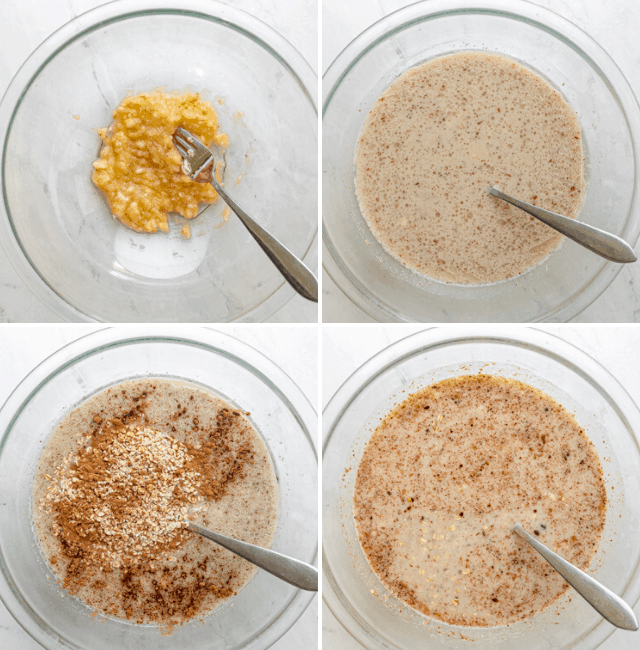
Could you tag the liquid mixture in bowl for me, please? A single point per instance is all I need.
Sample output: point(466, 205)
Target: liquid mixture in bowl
point(118, 478)
point(445, 477)
point(439, 137)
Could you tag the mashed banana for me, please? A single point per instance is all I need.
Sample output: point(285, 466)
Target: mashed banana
point(139, 169)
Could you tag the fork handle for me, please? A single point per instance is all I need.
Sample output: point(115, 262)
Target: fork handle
point(597, 241)
point(294, 270)
point(604, 601)
point(296, 573)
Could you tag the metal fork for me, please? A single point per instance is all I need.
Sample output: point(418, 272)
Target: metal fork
point(200, 161)
point(597, 241)
point(296, 573)
point(604, 601)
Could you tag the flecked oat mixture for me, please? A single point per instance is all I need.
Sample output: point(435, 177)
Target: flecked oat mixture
point(445, 477)
point(118, 502)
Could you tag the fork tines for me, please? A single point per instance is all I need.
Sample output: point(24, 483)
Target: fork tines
point(192, 150)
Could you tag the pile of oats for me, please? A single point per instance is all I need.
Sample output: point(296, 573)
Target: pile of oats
point(126, 496)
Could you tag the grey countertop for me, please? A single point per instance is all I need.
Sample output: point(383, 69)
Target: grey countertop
point(344, 349)
point(26, 23)
point(293, 349)
point(614, 24)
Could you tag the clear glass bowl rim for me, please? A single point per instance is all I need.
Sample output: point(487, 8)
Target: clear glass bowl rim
point(525, 11)
point(112, 12)
point(531, 338)
point(209, 340)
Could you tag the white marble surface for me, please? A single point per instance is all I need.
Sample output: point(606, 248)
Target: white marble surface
point(294, 349)
point(344, 349)
point(24, 24)
point(613, 24)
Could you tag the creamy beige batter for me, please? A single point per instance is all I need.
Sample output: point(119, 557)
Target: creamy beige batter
point(445, 477)
point(439, 137)
point(247, 511)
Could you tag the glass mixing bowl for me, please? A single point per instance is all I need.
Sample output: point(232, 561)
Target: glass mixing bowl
point(601, 405)
point(56, 227)
point(266, 607)
point(571, 278)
